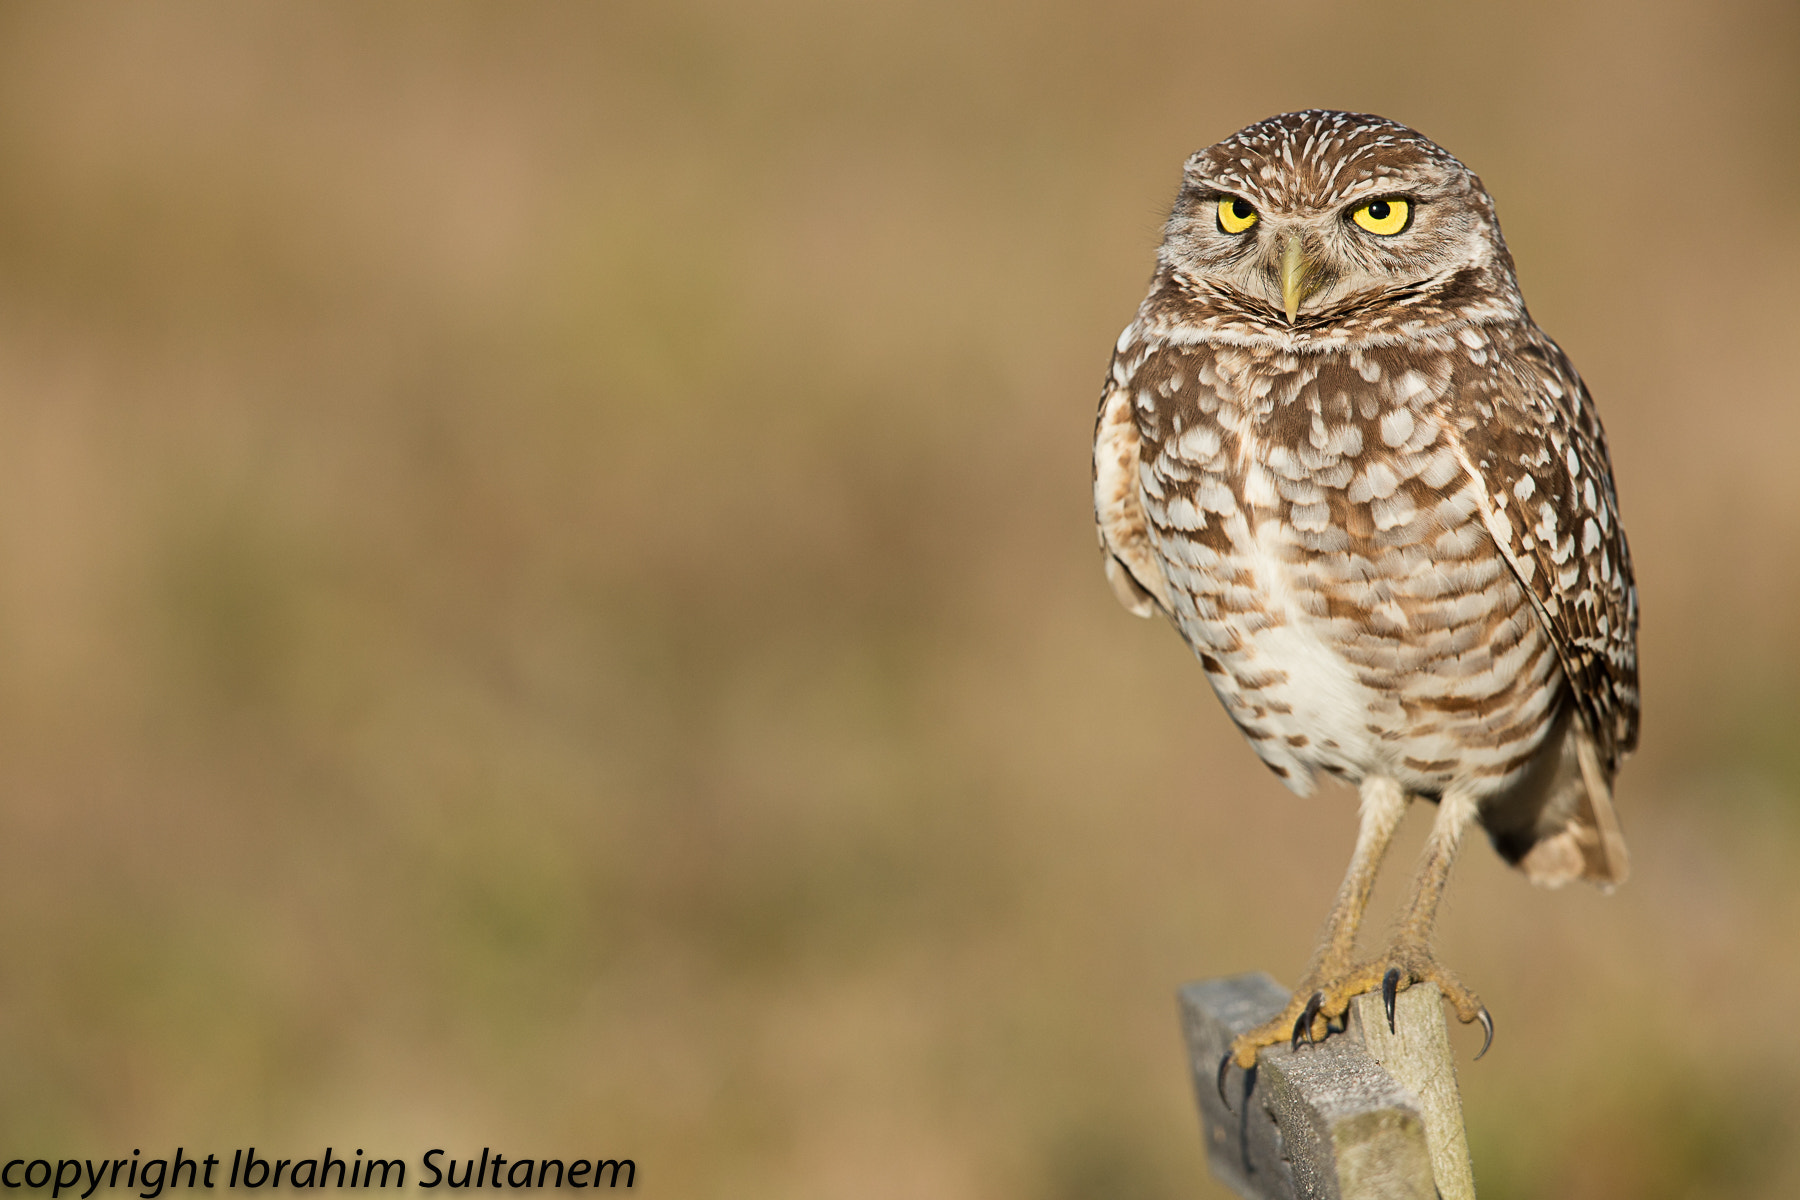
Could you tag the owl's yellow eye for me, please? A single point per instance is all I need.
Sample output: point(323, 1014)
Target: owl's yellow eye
point(1235, 215)
point(1385, 217)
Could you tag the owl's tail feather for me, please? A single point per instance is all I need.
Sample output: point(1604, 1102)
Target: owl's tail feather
point(1608, 863)
point(1561, 825)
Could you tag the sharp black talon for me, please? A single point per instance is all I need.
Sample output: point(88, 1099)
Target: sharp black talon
point(1303, 1026)
point(1224, 1068)
point(1390, 987)
point(1487, 1025)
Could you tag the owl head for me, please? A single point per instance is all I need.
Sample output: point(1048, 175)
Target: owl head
point(1324, 222)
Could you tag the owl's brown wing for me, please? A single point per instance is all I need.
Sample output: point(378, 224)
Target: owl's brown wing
point(1549, 502)
point(1131, 565)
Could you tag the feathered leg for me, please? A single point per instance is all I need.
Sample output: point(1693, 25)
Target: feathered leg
point(1322, 991)
point(1408, 957)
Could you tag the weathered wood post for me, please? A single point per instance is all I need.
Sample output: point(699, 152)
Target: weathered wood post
point(1364, 1115)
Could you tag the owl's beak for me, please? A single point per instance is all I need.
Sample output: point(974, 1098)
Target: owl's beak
point(1295, 267)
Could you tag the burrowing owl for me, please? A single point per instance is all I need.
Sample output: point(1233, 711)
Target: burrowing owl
point(1375, 500)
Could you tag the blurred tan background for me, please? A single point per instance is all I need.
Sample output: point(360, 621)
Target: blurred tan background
point(548, 601)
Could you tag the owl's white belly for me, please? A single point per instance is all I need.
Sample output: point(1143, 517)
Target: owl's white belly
point(1356, 663)
point(1329, 705)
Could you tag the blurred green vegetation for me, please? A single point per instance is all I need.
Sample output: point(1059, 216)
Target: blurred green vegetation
point(547, 594)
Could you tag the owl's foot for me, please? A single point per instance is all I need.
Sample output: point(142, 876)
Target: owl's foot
point(1408, 963)
point(1318, 1006)
point(1315, 1012)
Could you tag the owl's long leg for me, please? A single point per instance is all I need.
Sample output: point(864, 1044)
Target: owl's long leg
point(1383, 804)
point(1408, 957)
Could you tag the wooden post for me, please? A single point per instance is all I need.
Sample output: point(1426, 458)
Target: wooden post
point(1418, 1056)
point(1364, 1115)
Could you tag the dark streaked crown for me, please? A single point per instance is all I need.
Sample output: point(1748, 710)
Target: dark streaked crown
point(1320, 159)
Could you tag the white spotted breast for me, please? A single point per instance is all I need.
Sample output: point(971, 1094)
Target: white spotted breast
point(1323, 537)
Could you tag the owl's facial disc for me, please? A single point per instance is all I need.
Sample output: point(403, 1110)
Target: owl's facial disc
point(1320, 225)
point(1319, 257)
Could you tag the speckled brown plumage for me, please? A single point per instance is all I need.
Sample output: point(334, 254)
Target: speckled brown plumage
point(1379, 507)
